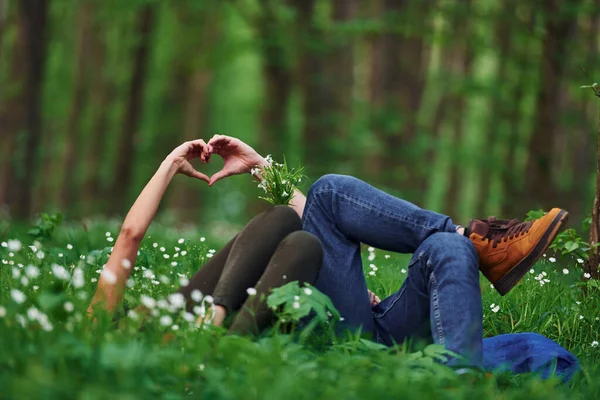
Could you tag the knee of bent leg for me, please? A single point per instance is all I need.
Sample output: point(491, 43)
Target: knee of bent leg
point(306, 248)
point(284, 217)
point(451, 245)
point(328, 182)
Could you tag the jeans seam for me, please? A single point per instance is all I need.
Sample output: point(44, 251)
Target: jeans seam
point(436, 310)
point(399, 294)
point(364, 205)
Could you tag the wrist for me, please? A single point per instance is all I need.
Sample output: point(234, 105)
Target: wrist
point(170, 165)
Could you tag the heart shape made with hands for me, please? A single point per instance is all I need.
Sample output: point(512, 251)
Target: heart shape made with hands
point(238, 157)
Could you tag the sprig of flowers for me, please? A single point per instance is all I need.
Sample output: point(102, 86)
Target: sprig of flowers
point(278, 181)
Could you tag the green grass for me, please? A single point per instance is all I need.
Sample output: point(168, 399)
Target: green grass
point(73, 358)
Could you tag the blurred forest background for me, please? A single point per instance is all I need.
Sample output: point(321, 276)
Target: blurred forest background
point(468, 107)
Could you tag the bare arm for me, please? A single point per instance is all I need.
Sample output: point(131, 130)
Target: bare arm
point(240, 158)
point(113, 280)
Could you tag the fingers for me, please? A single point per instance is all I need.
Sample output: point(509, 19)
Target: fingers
point(200, 175)
point(219, 175)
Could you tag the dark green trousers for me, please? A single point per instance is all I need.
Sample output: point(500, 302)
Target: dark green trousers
point(269, 252)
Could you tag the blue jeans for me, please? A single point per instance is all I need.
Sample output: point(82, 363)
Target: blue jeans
point(440, 297)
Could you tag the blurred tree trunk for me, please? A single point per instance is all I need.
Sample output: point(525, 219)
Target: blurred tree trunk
point(277, 75)
point(400, 57)
point(126, 151)
point(69, 186)
point(3, 23)
point(560, 26)
point(20, 113)
point(101, 96)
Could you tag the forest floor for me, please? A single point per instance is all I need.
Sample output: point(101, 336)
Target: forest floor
point(49, 349)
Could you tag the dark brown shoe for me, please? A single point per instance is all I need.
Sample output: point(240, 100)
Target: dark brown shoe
point(508, 249)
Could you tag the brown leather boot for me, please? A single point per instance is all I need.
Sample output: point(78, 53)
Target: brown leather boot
point(508, 249)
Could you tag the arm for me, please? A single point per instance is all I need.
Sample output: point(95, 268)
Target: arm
point(240, 158)
point(112, 282)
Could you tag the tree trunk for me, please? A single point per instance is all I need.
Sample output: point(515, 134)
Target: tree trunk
point(124, 165)
point(69, 186)
point(21, 114)
point(560, 26)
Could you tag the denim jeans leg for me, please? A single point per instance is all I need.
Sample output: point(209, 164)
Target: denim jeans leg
point(441, 290)
point(343, 212)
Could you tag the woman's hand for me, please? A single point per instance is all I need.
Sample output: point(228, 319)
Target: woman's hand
point(239, 158)
point(181, 156)
point(373, 299)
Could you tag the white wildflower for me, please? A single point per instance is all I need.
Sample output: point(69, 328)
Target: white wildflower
point(552, 259)
point(581, 317)
point(17, 296)
point(33, 248)
point(209, 299)
point(189, 317)
point(587, 275)
point(155, 245)
point(565, 271)
point(202, 239)
point(16, 273)
point(78, 280)
point(40, 254)
point(177, 300)
point(403, 271)
point(213, 251)
point(200, 311)
point(69, 247)
point(251, 291)
point(531, 271)
point(69, 307)
point(109, 276)
point(2, 312)
point(181, 240)
point(166, 320)
point(371, 256)
point(4, 244)
point(175, 327)
point(372, 273)
point(196, 295)
point(125, 263)
point(496, 309)
point(296, 305)
point(184, 281)
point(24, 281)
point(174, 264)
point(209, 255)
point(307, 291)
point(14, 245)
point(580, 260)
point(110, 239)
point(183, 253)
point(595, 343)
point(387, 256)
point(166, 256)
point(162, 249)
point(148, 301)
point(94, 280)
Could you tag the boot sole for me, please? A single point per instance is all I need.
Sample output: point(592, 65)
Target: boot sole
point(512, 277)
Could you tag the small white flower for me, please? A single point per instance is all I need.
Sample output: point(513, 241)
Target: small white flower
point(148, 301)
point(40, 254)
point(78, 280)
point(125, 263)
point(251, 291)
point(17, 296)
point(24, 281)
point(492, 305)
point(110, 239)
point(371, 249)
point(209, 299)
point(69, 307)
point(371, 256)
point(166, 256)
point(166, 320)
point(403, 271)
point(4, 244)
point(60, 272)
point(175, 327)
point(201, 367)
point(544, 273)
point(496, 309)
point(148, 274)
point(177, 300)
point(307, 291)
point(284, 277)
point(531, 271)
point(69, 247)
point(16, 273)
point(565, 271)
point(109, 277)
point(60, 255)
point(580, 260)
point(33, 314)
point(181, 240)
point(581, 317)
point(174, 264)
point(183, 253)
point(162, 304)
point(209, 255)
point(595, 343)
point(33, 248)
point(213, 251)
point(14, 245)
point(189, 317)
point(587, 275)
point(2, 312)
point(296, 305)
point(552, 259)
point(285, 194)
point(107, 234)
point(184, 281)
point(578, 302)
point(196, 295)
point(155, 245)
point(387, 256)
point(202, 239)
point(162, 249)
point(94, 280)
point(372, 273)
point(200, 310)
point(296, 298)
point(164, 279)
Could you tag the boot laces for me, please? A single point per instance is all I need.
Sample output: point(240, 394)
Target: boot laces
point(505, 230)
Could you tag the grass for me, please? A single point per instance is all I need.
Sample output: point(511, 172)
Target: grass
point(68, 357)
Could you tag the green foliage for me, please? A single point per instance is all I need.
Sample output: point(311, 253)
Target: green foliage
point(279, 182)
point(50, 349)
point(45, 225)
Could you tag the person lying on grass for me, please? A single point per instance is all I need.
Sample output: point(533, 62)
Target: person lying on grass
point(439, 300)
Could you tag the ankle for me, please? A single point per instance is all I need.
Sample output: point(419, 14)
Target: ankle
point(460, 230)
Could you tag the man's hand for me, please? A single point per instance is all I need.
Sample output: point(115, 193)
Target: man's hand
point(239, 158)
point(182, 155)
point(373, 299)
